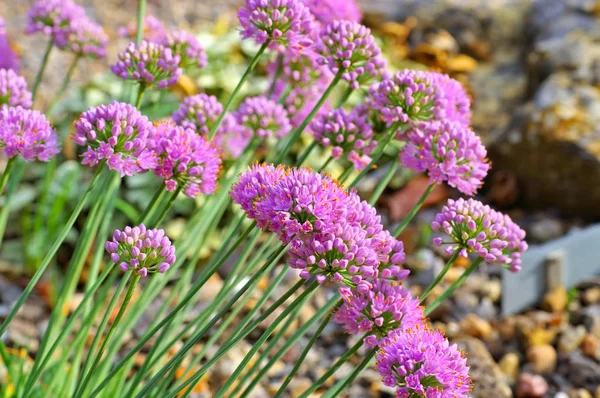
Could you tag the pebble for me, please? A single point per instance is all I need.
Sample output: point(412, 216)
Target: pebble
point(555, 300)
point(580, 393)
point(591, 295)
point(571, 338)
point(531, 386)
point(509, 365)
point(542, 357)
point(472, 325)
point(591, 347)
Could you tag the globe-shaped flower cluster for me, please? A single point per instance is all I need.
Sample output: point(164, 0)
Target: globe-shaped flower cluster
point(199, 112)
point(476, 228)
point(145, 251)
point(13, 89)
point(263, 117)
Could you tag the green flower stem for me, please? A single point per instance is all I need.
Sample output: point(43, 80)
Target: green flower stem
point(63, 86)
point(140, 95)
point(345, 175)
point(232, 317)
point(155, 355)
point(389, 135)
point(276, 75)
point(153, 205)
point(197, 336)
point(232, 342)
point(329, 160)
point(237, 88)
point(38, 77)
point(384, 182)
point(193, 290)
point(287, 346)
point(344, 98)
point(168, 206)
point(9, 166)
point(343, 359)
point(340, 386)
point(304, 353)
point(429, 309)
point(13, 183)
point(73, 273)
point(293, 137)
point(141, 13)
point(299, 302)
point(306, 153)
point(440, 276)
point(285, 94)
point(413, 211)
point(132, 285)
point(50, 254)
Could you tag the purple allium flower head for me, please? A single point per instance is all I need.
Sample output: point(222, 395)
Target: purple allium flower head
point(287, 23)
point(149, 64)
point(153, 30)
point(187, 47)
point(199, 112)
point(186, 159)
point(85, 38)
point(253, 185)
point(145, 251)
point(448, 151)
point(348, 47)
point(232, 137)
point(117, 133)
point(8, 58)
point(13, 89)
point(53, 17)
point(348, 133)
point(264, 117)
point(420, 362)
point(412, 96)
point(384, 307)
point(476, 228)
point(28, 133)
point(327, 11)
point(457, 104)
point(300, 69)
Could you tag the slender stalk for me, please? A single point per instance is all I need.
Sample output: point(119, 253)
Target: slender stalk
point(440, 276)
point(296, 133)
point(237, 88)
point(141, 12)
point(193, 340)
point(63, 86)
point(50, 254)
point(111, 331)
point(263, 338)
point(9, 166)
point(306, 152)
point(429, 309)
point(337, 389)
point(140, 95)
point(232, 342)
point(287, 346)
point(342, 179)
point(413, 211)
point(38, 77)
point(389, 135)
point(304, 353)
point(343, 359)
point(193, 290)
point(168, 206)
point(13, 182)
point(384, 182)
point(345, 97)
point(157, 198)
point(276, 75)
point(329, 160)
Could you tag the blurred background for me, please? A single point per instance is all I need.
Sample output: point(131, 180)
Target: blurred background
point(532, 68)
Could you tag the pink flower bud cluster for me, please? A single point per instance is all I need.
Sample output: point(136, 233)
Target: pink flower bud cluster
point(145, 251)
